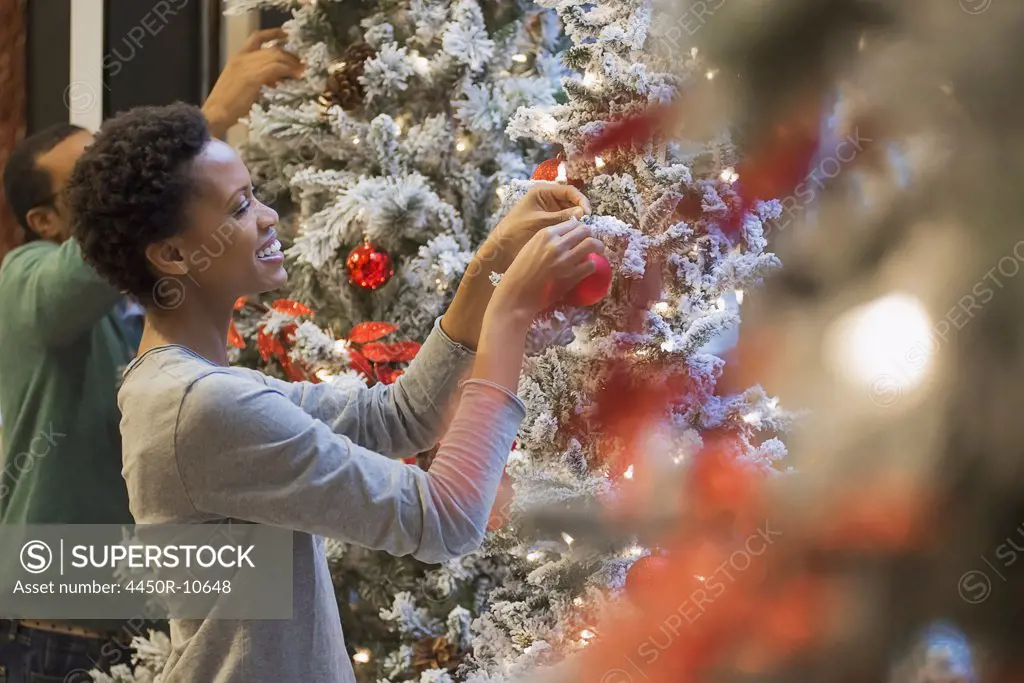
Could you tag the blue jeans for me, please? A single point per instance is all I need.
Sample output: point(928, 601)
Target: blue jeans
point(32, 656)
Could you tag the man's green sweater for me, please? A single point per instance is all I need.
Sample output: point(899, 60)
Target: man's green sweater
point(62, 351)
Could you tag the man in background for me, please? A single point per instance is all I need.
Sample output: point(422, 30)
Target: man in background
point(65, 338)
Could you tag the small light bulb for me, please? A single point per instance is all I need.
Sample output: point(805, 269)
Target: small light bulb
point(662, 307)
point(667, 345)
point(700, 578)
point(577, 601)
point(710, 75)
point(739, 296)
point(324, 375)
point(628, 474)
point(340, 346)
point(567, 538)
point(587, 634)
point(589, 78)
point(355, 140)
point(419, 62)
point(461, 147)
point(693, 52)
point(636, 551)
point(729, 175)
point(599, 162)
point(534, 555)
point(362, 656)
point(752, 417)
point(521, 58)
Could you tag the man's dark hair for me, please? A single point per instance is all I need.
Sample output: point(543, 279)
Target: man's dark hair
point(26, 185)
point(131, 188)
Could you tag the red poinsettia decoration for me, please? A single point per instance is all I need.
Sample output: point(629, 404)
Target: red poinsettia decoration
point(235, 338)
point(276, 345)
point(373, 358)
point(369, 356)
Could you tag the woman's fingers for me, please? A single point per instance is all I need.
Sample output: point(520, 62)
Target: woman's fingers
point(581, 270)
point(566, 214)
point(564, 228)
point(590, 245)
point(557, 196)
point(574, 236)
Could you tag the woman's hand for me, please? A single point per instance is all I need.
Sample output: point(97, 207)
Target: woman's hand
point(553, 261)
point(544, 205)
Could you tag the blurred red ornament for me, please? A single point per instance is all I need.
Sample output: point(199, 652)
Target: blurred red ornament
point(645, 576)
point(369, 267)
point(547, 170)
point(594, 287)
point(634, 130)
point(780, 161)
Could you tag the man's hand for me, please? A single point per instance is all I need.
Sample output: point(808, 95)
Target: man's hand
point(544, 205)
point(246, 72)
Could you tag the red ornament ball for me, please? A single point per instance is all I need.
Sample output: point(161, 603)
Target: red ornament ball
point(593, 287)
point(547, 170)
point(647, 577)
point(369, 267)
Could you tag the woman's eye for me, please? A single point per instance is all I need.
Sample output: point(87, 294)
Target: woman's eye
point(240, 211)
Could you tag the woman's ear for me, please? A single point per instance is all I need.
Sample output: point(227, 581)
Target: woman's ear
point(167, 258)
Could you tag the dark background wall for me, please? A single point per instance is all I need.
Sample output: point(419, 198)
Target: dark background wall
point(152, 58)
point(150, 55)
point(48, 62)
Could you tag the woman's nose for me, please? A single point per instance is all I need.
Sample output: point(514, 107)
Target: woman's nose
point(268, 217)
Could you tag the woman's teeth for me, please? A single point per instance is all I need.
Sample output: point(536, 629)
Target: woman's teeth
point(272, 250)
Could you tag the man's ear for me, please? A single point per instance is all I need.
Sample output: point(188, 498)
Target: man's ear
point(44, 221)
point(167, 258)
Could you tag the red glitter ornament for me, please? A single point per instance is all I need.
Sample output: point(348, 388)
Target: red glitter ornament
point(593, 287)
point(547, 170)
point(369, 267)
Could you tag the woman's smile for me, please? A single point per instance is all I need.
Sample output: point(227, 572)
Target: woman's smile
point(270, 252)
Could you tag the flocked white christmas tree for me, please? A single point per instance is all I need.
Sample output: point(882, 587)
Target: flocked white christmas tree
point(631, 396)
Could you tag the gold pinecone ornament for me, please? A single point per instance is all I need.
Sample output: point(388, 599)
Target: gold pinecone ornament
point(435, 653)
point(343, 86)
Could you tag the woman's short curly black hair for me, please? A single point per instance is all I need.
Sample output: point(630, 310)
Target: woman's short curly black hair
point(131, 188)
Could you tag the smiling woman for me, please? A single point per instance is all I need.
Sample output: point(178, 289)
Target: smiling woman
point(156, 200)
